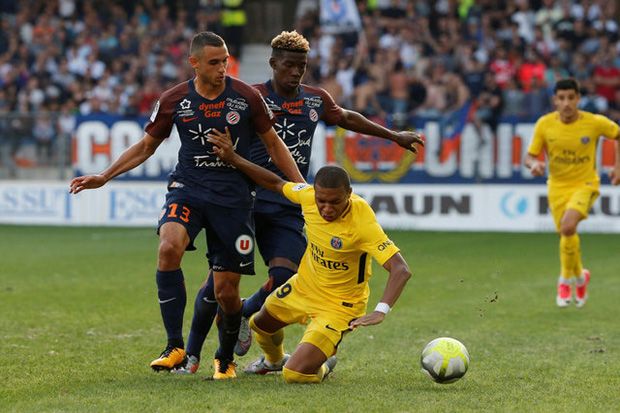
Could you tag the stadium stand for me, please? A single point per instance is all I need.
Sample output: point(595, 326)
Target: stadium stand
point(411, 58)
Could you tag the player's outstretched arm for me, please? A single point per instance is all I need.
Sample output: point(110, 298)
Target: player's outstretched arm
point(129, 159)
point(355, 122)
point(614, 174)
point(535, 166)
point(399, 275)
point(223, 148)
point(281, 156)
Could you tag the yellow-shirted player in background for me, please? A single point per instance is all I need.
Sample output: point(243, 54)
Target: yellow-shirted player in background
point(330, 290)
point(570, 137)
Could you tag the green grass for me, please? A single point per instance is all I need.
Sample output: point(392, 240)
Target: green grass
point(79, 323)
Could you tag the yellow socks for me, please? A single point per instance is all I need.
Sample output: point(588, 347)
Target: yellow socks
point(291, 376)
point(570, 256)
point(271, 344)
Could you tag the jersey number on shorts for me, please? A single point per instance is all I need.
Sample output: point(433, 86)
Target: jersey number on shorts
point(184, 212)
point(284, 290)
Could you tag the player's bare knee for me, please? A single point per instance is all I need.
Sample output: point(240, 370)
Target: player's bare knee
point(169, 254)
point(263, 323)
point(568, 228)
point(227, 295)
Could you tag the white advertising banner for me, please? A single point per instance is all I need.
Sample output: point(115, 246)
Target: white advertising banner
point(399, 206)
point(480, 207)
point(115, 204)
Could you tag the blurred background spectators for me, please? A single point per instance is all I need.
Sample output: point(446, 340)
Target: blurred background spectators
point(59, 58)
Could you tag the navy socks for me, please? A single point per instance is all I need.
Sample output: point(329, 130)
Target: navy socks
point(277, 277)
point(172, 300)
point(205, 309)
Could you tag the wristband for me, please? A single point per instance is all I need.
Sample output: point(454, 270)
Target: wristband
point(383, 308)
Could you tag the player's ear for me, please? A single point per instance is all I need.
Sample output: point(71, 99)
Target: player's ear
point(272, 62)
point(193, 61)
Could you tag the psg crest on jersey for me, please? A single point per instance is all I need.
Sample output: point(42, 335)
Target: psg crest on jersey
point(336, 243)
point(585, 139)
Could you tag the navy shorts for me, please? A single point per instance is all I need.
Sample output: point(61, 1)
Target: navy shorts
point(229, 231)
point(280, 234)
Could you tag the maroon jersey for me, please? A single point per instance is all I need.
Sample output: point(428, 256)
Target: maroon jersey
point(240, 107)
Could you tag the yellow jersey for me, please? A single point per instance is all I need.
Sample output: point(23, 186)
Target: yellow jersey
point(337, 262)
point(571, 148)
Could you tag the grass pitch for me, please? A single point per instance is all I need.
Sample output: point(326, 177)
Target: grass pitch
point(79, 323)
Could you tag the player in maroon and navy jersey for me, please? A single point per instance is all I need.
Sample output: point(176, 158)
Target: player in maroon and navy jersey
point(279, 224)
point(203, 191)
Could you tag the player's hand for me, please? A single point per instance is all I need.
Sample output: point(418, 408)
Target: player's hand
point(370, 319)
point(537, 168)
point(86, 182)
point(222, 144)
point(410, 140)
point(614, 175)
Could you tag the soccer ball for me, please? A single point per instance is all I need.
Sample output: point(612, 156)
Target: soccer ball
point(445, 360)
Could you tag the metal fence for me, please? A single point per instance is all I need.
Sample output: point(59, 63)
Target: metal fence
point(35, 145)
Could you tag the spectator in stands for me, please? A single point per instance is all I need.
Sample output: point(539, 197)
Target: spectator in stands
point(456, 92)
point(590, 101)
point(513, 98)
point(399, 90)
point(44, 132)
point(436, 102)
point(554, 72)
point(606, 75)
point(613, 111)
point(489, 105)
point(233, 20)
point(580, 67)
point(502, 67)
point(532, 67)
point(537, 99)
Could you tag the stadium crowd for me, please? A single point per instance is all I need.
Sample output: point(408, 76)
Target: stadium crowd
point(412, 58)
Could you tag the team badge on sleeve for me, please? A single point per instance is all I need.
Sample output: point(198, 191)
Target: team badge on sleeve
point(298, 187)
point(585, 140)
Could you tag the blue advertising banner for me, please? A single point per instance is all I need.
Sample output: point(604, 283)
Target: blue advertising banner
point(456, 151)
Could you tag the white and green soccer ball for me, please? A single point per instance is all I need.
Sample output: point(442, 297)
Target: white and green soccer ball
point(445, 360)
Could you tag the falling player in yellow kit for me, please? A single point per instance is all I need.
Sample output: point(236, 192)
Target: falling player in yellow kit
point(569, 137)
point(330, 290)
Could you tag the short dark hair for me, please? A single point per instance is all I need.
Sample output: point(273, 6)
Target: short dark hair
point(332, 176)
point(202, 39)
point(566, 84)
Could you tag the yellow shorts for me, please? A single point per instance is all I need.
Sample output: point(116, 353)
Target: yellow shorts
point(327, 321)
point(580, 198)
